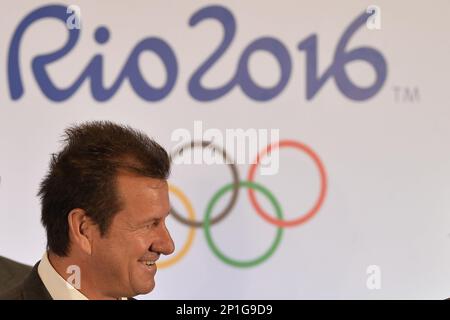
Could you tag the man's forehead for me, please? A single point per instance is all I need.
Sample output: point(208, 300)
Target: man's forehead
point(131, 182)
point(138, 207)
point(142, 193)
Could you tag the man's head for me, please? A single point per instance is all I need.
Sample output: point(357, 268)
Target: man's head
point(104, 204)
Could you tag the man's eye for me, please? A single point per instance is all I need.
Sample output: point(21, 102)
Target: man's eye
point(153, 224)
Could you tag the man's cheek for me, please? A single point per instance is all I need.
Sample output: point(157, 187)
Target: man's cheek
point(141, 243)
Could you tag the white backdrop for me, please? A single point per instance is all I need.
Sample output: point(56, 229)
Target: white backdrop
point(386, 157)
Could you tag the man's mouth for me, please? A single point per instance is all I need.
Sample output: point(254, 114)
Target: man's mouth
point(148, 263)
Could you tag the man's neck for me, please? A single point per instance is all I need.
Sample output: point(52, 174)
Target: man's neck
point(64, 267)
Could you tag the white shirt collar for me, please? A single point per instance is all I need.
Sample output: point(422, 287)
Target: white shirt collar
point(58, 288)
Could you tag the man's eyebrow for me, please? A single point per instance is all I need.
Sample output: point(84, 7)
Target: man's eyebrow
point(149, 220)
point(155, 218)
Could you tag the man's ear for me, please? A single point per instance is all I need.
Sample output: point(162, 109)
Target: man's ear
point(81, 230)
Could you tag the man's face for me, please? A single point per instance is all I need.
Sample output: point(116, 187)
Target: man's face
point(136, 237)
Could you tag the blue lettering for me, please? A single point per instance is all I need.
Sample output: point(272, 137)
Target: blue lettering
point(241, 77)
point(94, 69)
point(341, 57)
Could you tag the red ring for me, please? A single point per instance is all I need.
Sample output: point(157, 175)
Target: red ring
point(323, 184)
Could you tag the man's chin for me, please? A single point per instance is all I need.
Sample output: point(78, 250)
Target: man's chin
point(144, 279)
point(144, 289)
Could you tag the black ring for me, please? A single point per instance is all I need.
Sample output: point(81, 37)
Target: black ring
point(234, 196)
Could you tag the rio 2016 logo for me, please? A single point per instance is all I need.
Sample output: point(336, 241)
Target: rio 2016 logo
point(130, 71)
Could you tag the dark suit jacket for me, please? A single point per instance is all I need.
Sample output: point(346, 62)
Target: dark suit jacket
point(31, 288)
point(12, 273)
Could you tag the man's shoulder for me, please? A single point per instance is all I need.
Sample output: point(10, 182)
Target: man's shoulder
point(15, 293)
point(12, 274)
point(10, 265)
point(32, 288)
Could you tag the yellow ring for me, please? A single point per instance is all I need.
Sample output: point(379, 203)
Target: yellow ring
point(191, 214)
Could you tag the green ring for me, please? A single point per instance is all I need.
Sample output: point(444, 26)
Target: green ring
point(206, 225)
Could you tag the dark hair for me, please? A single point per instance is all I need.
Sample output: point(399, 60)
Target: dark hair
point(83, 175)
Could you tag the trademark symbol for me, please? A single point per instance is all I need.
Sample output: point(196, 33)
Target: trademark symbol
point(406, 94)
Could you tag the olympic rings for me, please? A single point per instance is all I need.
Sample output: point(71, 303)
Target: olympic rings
point(174, 259)
point(217, 252)
point(234, 173)
point(323, 186)
point(234, 187)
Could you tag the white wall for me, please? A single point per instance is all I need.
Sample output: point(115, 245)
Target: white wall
point(387, 159)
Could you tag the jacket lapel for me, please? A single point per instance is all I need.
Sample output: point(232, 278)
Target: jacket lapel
point(34, 288)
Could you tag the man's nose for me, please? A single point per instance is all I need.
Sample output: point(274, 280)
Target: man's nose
point(164, 244)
